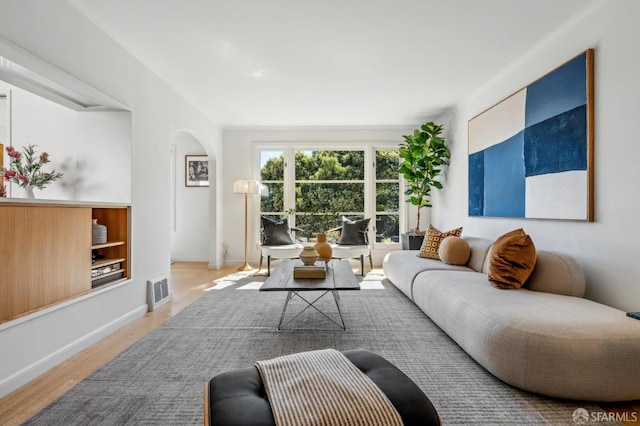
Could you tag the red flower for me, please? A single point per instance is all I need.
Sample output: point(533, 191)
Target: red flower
point(26, 168)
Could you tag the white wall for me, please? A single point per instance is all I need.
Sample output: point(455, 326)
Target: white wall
point(103, 167)
point(607, 249)
point(37, 121)
point(57, 33)
point(190, 233)
point(239, 151)
point(92, 149)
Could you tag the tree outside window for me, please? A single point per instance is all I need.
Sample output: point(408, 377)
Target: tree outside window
point(329, 184)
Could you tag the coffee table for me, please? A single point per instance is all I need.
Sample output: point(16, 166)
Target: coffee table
point(339, 277)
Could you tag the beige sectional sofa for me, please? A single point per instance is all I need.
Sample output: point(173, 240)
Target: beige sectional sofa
point(544, 338)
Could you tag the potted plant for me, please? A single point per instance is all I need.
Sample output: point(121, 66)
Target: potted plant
point(425, 154)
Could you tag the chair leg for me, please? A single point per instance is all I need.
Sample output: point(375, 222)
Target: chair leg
point(370, 261)
point(268, 266)
point(260, 267)
point(362, 265)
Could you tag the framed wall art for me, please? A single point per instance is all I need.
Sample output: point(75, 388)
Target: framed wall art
point(196, 170)
point(531, 155)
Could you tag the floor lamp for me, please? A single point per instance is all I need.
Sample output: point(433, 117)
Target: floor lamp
point(246, 187)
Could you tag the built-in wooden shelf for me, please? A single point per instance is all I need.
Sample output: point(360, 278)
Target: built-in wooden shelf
point(47, 256)
point(107, 244)
point(108, 274)
point(106, 262)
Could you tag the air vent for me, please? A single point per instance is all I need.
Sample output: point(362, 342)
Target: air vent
point(158, 292)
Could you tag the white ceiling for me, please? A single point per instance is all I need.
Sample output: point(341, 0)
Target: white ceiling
point(328, 62)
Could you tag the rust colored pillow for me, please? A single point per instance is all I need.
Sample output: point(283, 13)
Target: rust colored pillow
point(512, 260)
point(454, 251)
point(432, 240)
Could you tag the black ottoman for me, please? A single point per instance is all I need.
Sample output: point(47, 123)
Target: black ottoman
point(238, 398)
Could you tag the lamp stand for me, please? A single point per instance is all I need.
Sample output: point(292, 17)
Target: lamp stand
point(245, 266)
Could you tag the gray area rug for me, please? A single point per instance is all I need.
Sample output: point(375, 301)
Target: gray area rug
point(160, 379)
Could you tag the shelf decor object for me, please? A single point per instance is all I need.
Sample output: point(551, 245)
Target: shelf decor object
point(531, 155)
point(246, 187)
point(98, 233)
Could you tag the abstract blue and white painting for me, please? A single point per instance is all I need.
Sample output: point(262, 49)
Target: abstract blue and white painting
point(529, 155)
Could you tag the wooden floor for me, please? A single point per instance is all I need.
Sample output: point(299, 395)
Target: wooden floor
point(189, 281)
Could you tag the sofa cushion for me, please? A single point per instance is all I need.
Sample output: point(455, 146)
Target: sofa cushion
point(401, 267)
point(276, 232)
point(552, 344)
point(454, 251)
point(479, 249)
point(432, 240)
point(512, 259)
point(557, 273)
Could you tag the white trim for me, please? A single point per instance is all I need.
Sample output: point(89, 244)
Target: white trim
point(23, 58)
point(25, 375)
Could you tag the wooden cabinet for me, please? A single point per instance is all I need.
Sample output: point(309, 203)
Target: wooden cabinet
point(46, 253)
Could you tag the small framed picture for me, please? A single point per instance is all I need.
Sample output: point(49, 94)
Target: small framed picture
point(196, 171)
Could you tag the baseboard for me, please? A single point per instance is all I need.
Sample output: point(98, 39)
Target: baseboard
point(24, 376)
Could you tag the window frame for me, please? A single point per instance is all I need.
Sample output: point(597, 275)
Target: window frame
point(369, 148)
point(401, 203)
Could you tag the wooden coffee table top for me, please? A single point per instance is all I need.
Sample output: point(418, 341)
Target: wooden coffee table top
point(340, 276)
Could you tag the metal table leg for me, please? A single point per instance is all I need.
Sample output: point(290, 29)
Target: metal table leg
point(311, 304)
point(284, 309)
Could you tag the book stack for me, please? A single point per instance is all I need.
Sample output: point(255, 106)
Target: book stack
point(310, 271)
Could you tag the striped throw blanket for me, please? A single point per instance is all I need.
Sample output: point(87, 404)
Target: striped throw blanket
point(323, 388)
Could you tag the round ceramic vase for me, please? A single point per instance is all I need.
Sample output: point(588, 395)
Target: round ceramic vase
point(322, 247)
point(309, 255)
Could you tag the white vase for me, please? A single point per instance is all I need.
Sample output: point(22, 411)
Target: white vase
point(28, 192)
point(98, 233)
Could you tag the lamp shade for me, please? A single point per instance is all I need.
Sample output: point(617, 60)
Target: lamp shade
point(246, 186)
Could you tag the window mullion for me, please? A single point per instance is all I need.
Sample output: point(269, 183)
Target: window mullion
point(289, 181)
point(369, 190)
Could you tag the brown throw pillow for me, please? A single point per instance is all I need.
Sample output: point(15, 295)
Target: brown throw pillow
point(432, 240)
point(512, 260)
point(454, 251)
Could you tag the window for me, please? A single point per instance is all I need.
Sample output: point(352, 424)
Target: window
point(324, 184)
point(328, 185)
point(387, 196)
point(272, 178)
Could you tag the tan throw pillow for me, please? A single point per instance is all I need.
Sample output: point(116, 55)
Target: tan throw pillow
point(432, 240)
point(512, 260)
point(454, 251)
